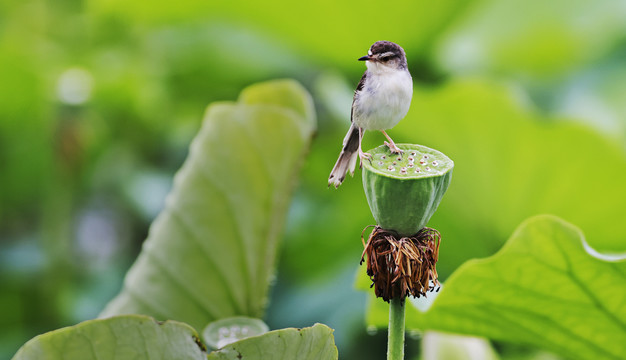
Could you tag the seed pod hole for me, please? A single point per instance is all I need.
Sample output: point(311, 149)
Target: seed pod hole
point(391, 168)
point(422, 162)
point(403, 170)
point(381, 163)
point(425, 156)
point(411, 158)
point(399, 158)
point(427, 168)
point(410, 165)
point(435, 163)
point(394, 163)
point(383, 156)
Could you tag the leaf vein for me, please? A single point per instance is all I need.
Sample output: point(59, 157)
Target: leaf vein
point(192, 295)
point(240, 236)
point(581, 284)
point(177, 214)
point(535, 335)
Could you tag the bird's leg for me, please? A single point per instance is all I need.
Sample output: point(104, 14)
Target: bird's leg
point(363, 155)
point(391, 145)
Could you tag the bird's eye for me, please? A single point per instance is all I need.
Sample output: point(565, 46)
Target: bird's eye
point(387, 57)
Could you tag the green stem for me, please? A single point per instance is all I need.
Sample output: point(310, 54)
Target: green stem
point(395, 341)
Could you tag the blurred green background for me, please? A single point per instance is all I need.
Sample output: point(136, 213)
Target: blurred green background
point(100, 99)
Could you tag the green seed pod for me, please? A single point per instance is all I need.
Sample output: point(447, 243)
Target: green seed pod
point(404, 190)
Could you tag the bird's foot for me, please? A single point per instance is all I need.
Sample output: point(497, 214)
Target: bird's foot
point(365, 156)
point(391, 145)
point(393, 148)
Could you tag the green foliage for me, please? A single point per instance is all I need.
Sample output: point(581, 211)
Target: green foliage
point(315, 342)
point(210, 253)
point(549, 41)
point(118, 338)
point(542, 288)
point(416, 24)
point(80, 181)
point(140, 337)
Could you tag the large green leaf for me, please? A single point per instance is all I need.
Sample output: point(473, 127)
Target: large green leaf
point(118, 338)
point(542, 288)
point(211, 251)
point(315, 342)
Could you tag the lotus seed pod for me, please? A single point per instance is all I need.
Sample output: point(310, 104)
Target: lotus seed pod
point(404, 190)
point(228, 330)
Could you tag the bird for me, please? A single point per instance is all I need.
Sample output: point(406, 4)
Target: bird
point(381, 99)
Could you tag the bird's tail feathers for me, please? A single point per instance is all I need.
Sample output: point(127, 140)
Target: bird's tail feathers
point(347, 158)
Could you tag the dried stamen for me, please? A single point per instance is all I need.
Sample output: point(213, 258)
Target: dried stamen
point(402, 266)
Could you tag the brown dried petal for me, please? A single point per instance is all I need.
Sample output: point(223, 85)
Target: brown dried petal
point(402, 266)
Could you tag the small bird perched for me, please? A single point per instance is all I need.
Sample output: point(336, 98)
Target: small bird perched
point(381, 99)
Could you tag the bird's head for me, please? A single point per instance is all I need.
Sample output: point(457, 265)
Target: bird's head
point(385, 56)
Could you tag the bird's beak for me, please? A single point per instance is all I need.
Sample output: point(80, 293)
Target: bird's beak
point(365, 58)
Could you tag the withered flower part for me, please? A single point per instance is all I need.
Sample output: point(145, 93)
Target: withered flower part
point(400, 266)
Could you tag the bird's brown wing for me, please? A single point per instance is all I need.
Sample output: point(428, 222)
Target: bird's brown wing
point(359, 87)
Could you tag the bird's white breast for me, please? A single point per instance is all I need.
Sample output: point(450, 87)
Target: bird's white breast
point(384, 99)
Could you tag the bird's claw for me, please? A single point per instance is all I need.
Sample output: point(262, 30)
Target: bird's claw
point(365, 156)
point(393, 148)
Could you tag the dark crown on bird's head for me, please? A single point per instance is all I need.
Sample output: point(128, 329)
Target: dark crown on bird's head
point(384, 51)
